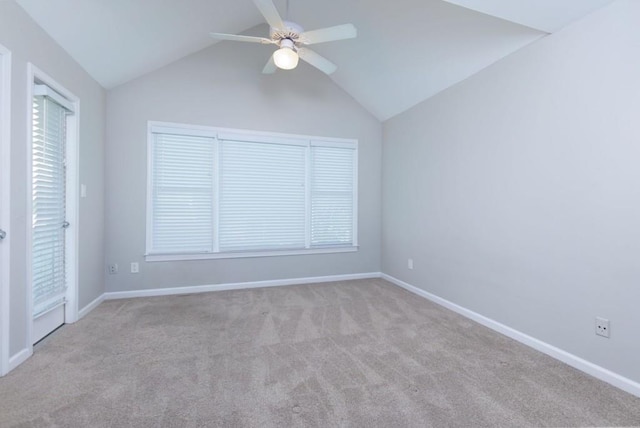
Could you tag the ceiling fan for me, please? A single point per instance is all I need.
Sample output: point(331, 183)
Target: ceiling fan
point(291, 40)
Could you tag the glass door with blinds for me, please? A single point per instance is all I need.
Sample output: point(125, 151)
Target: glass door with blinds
point(49, 221)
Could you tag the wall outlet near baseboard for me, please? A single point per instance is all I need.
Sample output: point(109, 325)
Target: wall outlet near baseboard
point(602, 327)
point(135, 267)
point(113, 269)
point(410, 263)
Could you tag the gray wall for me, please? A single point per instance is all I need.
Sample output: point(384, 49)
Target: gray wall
point(29, 43)
point(516, 192)
point(223, 86)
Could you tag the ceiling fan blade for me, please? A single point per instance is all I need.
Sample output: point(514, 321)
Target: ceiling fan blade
point(318, 61)
point(329, 34)
point(270, 67)
point(241, 38)
point(270, 13)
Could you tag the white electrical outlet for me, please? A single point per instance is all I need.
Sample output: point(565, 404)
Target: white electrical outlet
point(602, 327)
point(410, 263)
point(135, 267)
point(113, 268)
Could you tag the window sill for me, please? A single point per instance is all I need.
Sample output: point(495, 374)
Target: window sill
point(246, 254)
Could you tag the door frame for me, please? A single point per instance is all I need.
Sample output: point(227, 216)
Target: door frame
point(72, 198)
point(5, 212)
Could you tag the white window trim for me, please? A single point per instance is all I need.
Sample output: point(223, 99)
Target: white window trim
point(5, 214)
point(245, 135)
point(247, 254)
point(35, 75)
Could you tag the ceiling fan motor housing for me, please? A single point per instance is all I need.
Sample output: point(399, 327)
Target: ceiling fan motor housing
point(291, 31)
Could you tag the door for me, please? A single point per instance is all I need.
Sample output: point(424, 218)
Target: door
point(49, 222)
point(5, 69)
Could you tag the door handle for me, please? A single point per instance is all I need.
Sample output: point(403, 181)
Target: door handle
point(65, 225)
point(3, 234)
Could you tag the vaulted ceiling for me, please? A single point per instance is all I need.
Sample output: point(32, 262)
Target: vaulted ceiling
point(405, 52)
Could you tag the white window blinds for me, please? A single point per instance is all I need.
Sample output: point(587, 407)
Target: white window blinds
point(232, 193)
point(332, 196)
point(48, 201)
point(262, 196)
point(182, 173)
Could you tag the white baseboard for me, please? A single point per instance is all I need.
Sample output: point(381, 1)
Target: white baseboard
point(91, 306)
point(20, 358)
point(23, 355)
point(236, 286)
point(574, 361)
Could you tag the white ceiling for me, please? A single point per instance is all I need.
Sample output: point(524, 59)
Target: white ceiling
point(405, 52)
point(543, 15)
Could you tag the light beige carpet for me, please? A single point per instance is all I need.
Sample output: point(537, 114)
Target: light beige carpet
point(354, 354)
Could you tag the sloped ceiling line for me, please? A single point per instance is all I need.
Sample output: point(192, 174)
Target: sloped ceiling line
point(406, 50)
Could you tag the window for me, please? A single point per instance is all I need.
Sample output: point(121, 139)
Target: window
point(215, 193)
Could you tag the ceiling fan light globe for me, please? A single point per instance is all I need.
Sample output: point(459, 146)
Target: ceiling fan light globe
point(285, 58)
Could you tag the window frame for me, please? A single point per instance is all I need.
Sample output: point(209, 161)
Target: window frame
point(154, 127)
